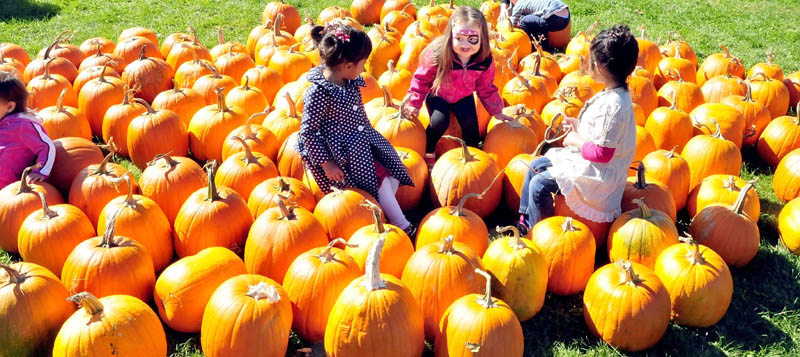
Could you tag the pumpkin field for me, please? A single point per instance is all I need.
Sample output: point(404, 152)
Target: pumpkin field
point(179, 214)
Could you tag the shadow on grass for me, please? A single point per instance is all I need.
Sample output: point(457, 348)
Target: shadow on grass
point(26, 10)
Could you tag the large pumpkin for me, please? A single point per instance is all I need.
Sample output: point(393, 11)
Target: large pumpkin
point(655, 192)
point(59, 65)
point(154, 75)
point(779, 137)
point(116, 119)
point(116, 325)
point(409, 197)
point(675, 62)
point(640, 300)
point(599, 229)
point(397, 247)
point(756, 115)
point(402, 131)
point(183, 289)
point(367, 11)
point(711, 154)
point(235, 64)
point(185, 51)
point(290, 63)
point(685, 95)
point(672, 170)
point(341, 213)
point(289, 15)
point(507, 140)
point(770, 92)
point(786, 181)
point(670, 127)
point(789, 225)
point(375, 315)
point(17, 201)
point(269, 192)
point(95, 185)
point(169, 181)
point(211, 126)
point(723, 189)
point(183, 101)
point(72, 155)
point(97, 96)
point(568, 247)
point(210, 84)
point(640, 235)
point(698, 281)
point(62, 121)
point(43, 90)
point(719, 64)
point(727, 119)
point(155, 132)
point(243, 171)
point(250, 99)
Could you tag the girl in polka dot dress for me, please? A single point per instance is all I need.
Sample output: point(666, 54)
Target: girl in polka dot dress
point(336, 141)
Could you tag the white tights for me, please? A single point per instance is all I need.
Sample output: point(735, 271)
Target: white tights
point(388, 201)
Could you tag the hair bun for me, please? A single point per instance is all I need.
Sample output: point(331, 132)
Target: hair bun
point(317, 33)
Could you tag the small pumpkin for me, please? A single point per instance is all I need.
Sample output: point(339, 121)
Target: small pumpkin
point(60, 121)
point(155, 132)
point(670, 127)
point(267, 194)
point(711, 154)
point(780, 136)
point(675, 62)
point(223, 47)
point(191, 71)
point(341, 213)
point(640, 235)
point(153, 74)
point(16, 51)
point(599, 229)
point(170, 180)
point(266, 79)
point(290, 163)
point(653, 191)
point(18, 200)
point(649, 53)
point(722, 189)
point(183, 101)
point(290, 63)
point(672, 170)
point(94, 186)
point(117, 119)
point(96, 97)
point(786, 181)
point(789, 225)
point(211, 126)
point(756, 115)
point(397, 245)
point(402, 131)
point(721, 86)
point(507, 140)
point(769, 69)
point(568, 248)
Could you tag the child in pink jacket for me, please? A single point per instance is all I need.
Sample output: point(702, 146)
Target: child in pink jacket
point(23, 141)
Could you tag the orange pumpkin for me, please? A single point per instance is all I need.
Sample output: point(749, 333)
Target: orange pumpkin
point(234, 64)
point(155, 132)
point(685, 95)
point(770, 92)
point(672, 170)
point(655, 192)
point(170, 180)
point(15, 51)
point(266, 79)
point(676, 62)
point(43, 90)
point(789, 226)
point(640, 235)
point(211, 126)
point(599, 229)
point(18, 200)
point(398, 246)
point(385, 47)
point(669, 127)
point(786, 181)
point(224, 47)
point(719, 64)
point(183, 101)
point(401, 5)
point(191, 71)
point(250, 99)
point(711, 154)
point(290, 63)
point(72, 155)
point(729, 121)
point(55, 65)
point(95, 185)
point(260, 139)
point(756, 115)
point(649, 53)
point(341, 213)
point(154, 76)
point(722, 189)
point(290, 163)
point(60, 121)
point(289, 15)
point(792, 83)
point(509, 139)
point(530, 91)
point(97, 97)
point(117, 119)
point(780, 136)
point(267, 194)
point(463, 224)
point(568, 247)
point(644, 93)
point(402, 131)
point(409, 197)
point(185, 51)
point(209, 84)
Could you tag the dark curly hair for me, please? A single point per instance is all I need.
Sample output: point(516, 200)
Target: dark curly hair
point(616, 50)
point(12, 90)
point(339, 43)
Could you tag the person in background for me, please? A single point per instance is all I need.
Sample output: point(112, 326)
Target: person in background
point(536, 17)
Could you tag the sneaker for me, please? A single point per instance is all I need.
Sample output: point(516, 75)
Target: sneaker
point(522, 226)
point(411, 231)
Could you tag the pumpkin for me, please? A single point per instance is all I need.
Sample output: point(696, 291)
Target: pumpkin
point(138, 31)
point(514, 176)
point(99, 59)
point(644, 143)
point(789, 225)
point(581, 78)
point(637, 295)
point(210, 127)
point(30, 293)
point(97, 97)
point(408, 197)
point(16, 51)
point(271, 41)
point(644, 93)
point(719, 64)
point(191, 71)
point(117, 119)
point(399, 19)
point(513, 39)
point(780, 136)
point(154, 76)
point(685, 95)
point(89, 74)
point(155, 132)
point(18, 200)
point(340, 212)
point(385, 47)
point(568, 248)
point(250, 99)
point(243, 171)
point(60, 121)
point(412, 46)
point(479, 323)
point(673, 44)
point(769, 69)
point(185, 51)
point(183, 289)
point(463, 224)
point(289, 15)
point(792, 83)
point(267, 194)
point(728, 230)
point(520, 272)
point(599, 229)
point(110, 265)
point(255, 34)
point(670, 127)
point(43, 90)
point(367, 12)
point(722, 189)
point(110, 326)
point(265, 79)
point(396, 80)
point(699, 283)
point(721, 86)
point(729, 121)
point(234, 64)
point(531, 91)
point(649, 53)
point(55, 65)
point(224, 47)
point(290, 63)
point(209, 84)
point(756, 115)
point(171, 40)
point(430, 10)
point(509, 139)
point(672, 170)
point(290, 163)
point(375, 315)
point(66, 50)
point(183, 101)
point(197, 225)
point(711, 154)
point(95, 185)
point(640, 235)
point(258, 138)
point(371, 90)
point(770, 92)
point(72, 155)
point(402, 131)
point(282, 123)
point(169, 181)
point(786, 181)
point(655, 192)
point(398, 246)
point(141, 219)
point(129, 49)
point(464, 170)
point(385, 106)
point(12, 66)
point(675, 62)
point(401, 5)
point(278, 236)
point(528, 117)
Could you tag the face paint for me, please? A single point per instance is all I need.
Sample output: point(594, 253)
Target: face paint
point(472, 36)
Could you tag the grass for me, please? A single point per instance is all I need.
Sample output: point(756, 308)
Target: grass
point(764, 315)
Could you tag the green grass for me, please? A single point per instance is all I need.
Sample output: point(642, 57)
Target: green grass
point(764, 315)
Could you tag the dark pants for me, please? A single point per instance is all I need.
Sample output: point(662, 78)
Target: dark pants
point(439, 110)
point(536, 27)
point(536, 199)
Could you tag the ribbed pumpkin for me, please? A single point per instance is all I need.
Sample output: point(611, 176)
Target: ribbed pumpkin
point(154, 76)
point(191, 71)
point(65, 50)
point(476, 324)
point(290, 163)
point(290, 63)
point(513, 39)
point(396, 80)
point(711, 154)
point(437, 275)
point(507, 140)
point(16, 51)
point(110, 265)
point(375, 315)
point(670, 127)
point(581, 79)
point(234, 63)
point(464, 170)
point(719, 64)
point(756, 115)
point(138, 31)
point(97, 96)
point(169, 181)
point(789, 225)
point(780, 136)
point(568, 248)
point(409, 197)
point(413, 43)
point(313, 282)
point(675, 62)
point(397, 246)
point(258, 139)
point(402, 131)
point(644, 143)
point(640, 235)
point(117, 325)
point(463, 224)
point(769, 69)
point(385, 47)
point(521, 272)
point(13, 66)
point(770, 92)
point(155, 132)
point(183, 289)
point(211, 126)
point(722, 189)
point(72, 155)
point(599, 229)
point(183, 101)
point(141, 219)
point(92, 73)
point(673, 43)
point(637, 295)
point(185, 51)
point(283, 123)
point(250, 99)
point(786, 181)
point(243, 171)
point(171, 40)
point(210, 84)
point(43, 90)
point(17, 201)
point(222, 47)
point(117, 119)
point(60, 121)
point(531, 91)
point(56, 65)
point(367, 11)
point(728, 230)
point(31, 294)
point(699, 283)
point(565, 102)
point(266, 79)
point(685, 95)
point(672, 170)
point(95, 185)
point(398, 19)
point(341, 213)
point(383, 106)
point(729, 121)
point(792, 83)
point(278, 236)
point(267, 194)
point(655, 192)
point(649, 53)
point(289, 15)
point(211, 217)
point(721, 86)
point(401, 5)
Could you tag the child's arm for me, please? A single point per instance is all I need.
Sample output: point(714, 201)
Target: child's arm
point(36, 140)
point(488, 93)
point(421, 83)
point(314, 103)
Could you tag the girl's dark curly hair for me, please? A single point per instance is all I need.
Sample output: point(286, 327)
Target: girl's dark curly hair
point(616, 50)
point(339, 43)
point(12, 90)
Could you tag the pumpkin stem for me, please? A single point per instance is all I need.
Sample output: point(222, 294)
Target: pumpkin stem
point(567, 226)
point(170, 161)
point(47, 68)
point(376, 215)
point(50, 214)
point(695, 256)
point(150, 110)
point(517, 243)
point(220, 36)
point(248, 133)
point(725, 50)
point(60, 101)
point(292, 109)
point(102, 77)
point(248, 158)
point(263, 291)
point(287, 212)
point(640, 183)
point(447, 245)
point(211, 170)
point(486, 301)
point(674, 101)
point(671, 153)
point(645, 211)
point(466, 156)
point(276, 25)
point(326, 256)
point(459, 210)
point(24, 187)
point(387, 98)
point(102, 168)
point(194, 35)
point(632, 277)
point(89, 302)
point(142, 55)
point(108, 235)
point(129, 200)
point(14, 277)
point(738, 206)
point(372, 277)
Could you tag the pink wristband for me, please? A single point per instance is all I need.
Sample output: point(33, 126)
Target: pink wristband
point(596, 153)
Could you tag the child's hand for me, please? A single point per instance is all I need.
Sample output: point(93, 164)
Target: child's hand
point(503, 117)
point(411, 112)
point(571, 123)
point(35, 177)
point(333, 171)
point(573, 139)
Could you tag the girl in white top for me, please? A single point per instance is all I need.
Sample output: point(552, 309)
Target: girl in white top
point(590, 170)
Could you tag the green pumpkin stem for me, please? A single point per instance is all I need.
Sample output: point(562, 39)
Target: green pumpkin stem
point(372, 277)
point(640, 183)
point(632, 277)
point(466, 156)
point(263, 290)
point(89, 302)
point(645, 211)
point(517, 242)
point(738, 206)
point(211, 170)
point(459, 210)
point(14, 277)
point(376, 215)
point(50, 214)
point(486, 301)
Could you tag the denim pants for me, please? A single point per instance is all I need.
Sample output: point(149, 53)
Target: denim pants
point(536, 199)
point(536, 26)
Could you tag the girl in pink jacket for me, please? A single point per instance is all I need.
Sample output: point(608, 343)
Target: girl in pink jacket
point(451, 68)
point(23, 140)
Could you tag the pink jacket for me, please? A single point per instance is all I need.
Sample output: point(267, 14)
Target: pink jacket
point(462, 82)
point(23, 142)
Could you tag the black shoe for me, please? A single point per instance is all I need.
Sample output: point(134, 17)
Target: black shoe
point(411, 231)
point(521, 226)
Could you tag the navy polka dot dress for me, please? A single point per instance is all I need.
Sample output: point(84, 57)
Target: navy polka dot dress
point(335, 127)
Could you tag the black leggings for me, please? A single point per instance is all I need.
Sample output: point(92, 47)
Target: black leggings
point(439, 110)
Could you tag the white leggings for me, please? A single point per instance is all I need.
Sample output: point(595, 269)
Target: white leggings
point(388, 201)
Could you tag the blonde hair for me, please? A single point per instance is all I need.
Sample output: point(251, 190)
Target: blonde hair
point(442, 46)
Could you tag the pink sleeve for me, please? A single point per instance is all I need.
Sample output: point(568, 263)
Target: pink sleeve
point(421, 84)
point(488, 93)
point(596, 153)
point(36, 140)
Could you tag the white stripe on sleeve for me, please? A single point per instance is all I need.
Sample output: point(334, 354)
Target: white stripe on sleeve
point(51, 151)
